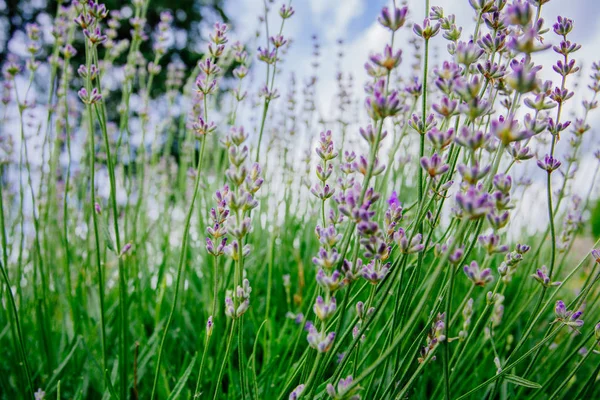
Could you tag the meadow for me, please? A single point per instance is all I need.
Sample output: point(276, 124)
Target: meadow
point(211, 233)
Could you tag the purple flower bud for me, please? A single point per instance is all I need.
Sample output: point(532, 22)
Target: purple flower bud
point(476, 275)
point(388, 60)
point(394, 19)
point(374, 272)
point(440, 139)
point(519, 13)
point(125, 249)
point(286, 12)
point(507, 130)
point(523, 76)
point(549, 163)
point(344, 390)
point(426, 31)
point(474, 173)
point(467, 53)
point(560, 310)
point(596, 255)
point(474, 203)
point(297, 392)
point(324, 309)
point(434, 165)
point(402, 241)
point(541, 275)
point(209, 326)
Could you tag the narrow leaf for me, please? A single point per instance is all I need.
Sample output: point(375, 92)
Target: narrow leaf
point(184, 377)
point(517, 380)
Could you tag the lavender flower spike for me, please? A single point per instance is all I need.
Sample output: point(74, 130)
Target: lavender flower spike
point(567, 317)
point(476, 275)
point(434, 165)
point(549, 163)
point(319, 340)
point(596, 255)
point(541, 275)
point(297, 392)
point(343, 390)
point(393, 20)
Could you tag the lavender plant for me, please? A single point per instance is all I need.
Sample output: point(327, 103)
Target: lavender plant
point(216, 239)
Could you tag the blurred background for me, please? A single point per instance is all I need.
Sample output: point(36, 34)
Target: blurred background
point(328, 37)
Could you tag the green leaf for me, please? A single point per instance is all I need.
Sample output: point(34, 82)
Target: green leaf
point(52, 383)
point(517, 380)
point(184, 377)
point(106, 235)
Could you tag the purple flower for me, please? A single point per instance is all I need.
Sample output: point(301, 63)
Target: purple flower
point(467, 53)
point(440, 139)
point(422, 126)
point(491, 243)
point(519, 13)
point(476, 275)
point(394, 19)
point(380, 105)
point(523, 76)
point(388, 60)
point(434, 165)
point(474, 173)
point(596, 255)
point(330, 283)
point(374, 272)
point(352, 270)
point(528, 42)
point(297, 392)
point(503, 183)
point(95, 36)
point(286, 12)
point(278, 41)
point(393, 201)
point(507, 130)
point(562, 26)
point(218, 250)
point(426, 31)
point(89, 98)
point(319, 341)
point(344, 390)
point(326, 258)
point(39, 395)
point(568, 317)
point(457, 253)
point(474, 203)
point(498, 221)
point(266, 55)
point(446, 108)
point(520, 152)
point(219, 37)
point(406, 247)
point(470, 139)
point(541, 275)
point(324, 309)
point(549, 163)
point(209, 326)
point(370, 135)
point(322, 192)
point(522, 248)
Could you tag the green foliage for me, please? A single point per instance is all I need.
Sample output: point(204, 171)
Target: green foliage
point(595, 220)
